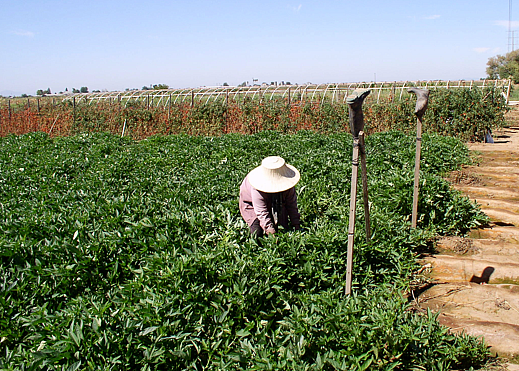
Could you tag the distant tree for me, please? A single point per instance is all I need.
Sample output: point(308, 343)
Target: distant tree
point(243, 84)
point(504, 67)
point(83, 89)
point(24, 96)
point(43, 92)
point(74, 90)
point(225, 84)
point(160, 87)
point(145, 88)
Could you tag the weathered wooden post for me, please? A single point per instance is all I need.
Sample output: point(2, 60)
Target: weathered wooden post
point(364, 172)
point(73, 111)
point(356, 118)
point(422, 98)
point(124, 128)
point(169, 109)
point(55, 120)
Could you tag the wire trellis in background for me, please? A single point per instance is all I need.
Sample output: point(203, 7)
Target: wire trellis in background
point(215, 110)
point(292, 94)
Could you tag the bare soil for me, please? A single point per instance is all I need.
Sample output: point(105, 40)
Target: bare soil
point(475, 279)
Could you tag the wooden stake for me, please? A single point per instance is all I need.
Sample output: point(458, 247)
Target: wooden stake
point(363, 166)
point(356, 118)
point(353, 204)
point(422, 99)
point(416, 189)
point(169, 109)
point(50, 131)
point(124, 128)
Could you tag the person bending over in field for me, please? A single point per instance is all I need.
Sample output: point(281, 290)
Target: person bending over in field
point(268, 197)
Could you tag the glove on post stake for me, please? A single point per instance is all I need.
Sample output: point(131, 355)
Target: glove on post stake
point(422, 98)
point(356, 118)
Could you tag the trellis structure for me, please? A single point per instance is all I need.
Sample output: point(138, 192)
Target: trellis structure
point(317, 93)
point(213, 110)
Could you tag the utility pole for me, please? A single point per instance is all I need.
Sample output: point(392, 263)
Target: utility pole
point(510, 32)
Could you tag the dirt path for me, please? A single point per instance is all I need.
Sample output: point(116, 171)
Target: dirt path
point(476, 279)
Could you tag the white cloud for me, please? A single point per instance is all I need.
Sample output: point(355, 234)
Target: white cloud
point(505, 24)
point(435, 16)
point(492, 51)
point(23, 33)
point(296, 8)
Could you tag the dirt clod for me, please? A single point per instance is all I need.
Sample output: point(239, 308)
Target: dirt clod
point(458, 245)
point(503, 304)
point(464, 177)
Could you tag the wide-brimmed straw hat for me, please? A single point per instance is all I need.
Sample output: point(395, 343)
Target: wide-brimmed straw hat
point(274, 175)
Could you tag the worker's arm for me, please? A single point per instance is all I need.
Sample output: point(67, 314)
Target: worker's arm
point(260, 204)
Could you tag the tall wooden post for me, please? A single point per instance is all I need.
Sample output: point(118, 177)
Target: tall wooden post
point(422, 98)
point(227, 110)
point(364, 171)
point(74, 111)
point(356, 118)
point(353, 206)
point(169, 109)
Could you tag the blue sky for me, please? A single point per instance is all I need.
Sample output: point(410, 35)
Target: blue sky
point(114, 45)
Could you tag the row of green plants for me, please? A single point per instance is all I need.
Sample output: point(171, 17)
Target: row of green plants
point(119, 254)
point(464, 113)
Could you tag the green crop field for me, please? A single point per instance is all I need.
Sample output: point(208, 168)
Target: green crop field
point(119, 255)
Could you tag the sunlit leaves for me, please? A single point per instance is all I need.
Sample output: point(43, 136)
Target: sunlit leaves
point(117, 254)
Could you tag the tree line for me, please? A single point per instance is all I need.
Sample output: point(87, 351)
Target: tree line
point(504, 66)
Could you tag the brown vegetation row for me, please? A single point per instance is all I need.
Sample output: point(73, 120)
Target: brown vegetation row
point(465, 113)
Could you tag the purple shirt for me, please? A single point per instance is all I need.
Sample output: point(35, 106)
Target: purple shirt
point(256, 204)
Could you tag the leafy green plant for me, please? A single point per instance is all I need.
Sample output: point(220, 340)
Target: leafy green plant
point(123, 254)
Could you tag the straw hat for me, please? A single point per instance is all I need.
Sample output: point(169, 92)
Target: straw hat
point(274, 175)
